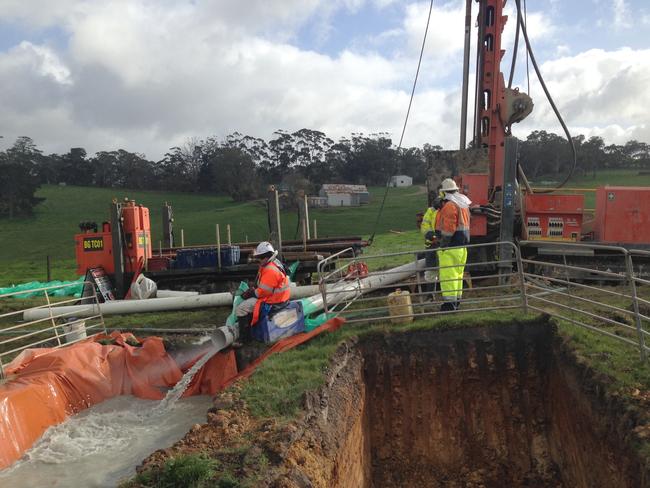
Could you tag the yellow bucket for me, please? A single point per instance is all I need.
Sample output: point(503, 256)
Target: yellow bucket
point(399, 303)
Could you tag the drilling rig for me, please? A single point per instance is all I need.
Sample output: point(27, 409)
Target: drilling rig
point(505, 207)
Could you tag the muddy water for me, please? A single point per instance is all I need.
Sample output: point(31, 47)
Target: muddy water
point(101, 445)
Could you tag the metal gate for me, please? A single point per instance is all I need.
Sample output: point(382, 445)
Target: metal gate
point(359, 288)
point(58, 329)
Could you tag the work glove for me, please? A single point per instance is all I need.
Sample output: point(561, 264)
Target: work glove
point(428, 238)
point(249, 293)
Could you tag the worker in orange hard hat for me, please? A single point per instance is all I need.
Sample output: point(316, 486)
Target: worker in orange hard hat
point(271, 290)
point(452, 231)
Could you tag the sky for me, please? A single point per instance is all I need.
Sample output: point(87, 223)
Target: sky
point(147, 75)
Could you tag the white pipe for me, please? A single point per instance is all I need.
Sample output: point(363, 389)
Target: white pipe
point(117, 307)
point(222, 337)
point(336, 293)
point(174, 293)
point(346, 290)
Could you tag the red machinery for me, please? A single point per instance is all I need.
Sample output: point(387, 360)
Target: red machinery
point(622, 215)
point(122, 246)
point(504, 206)
point(554, 217)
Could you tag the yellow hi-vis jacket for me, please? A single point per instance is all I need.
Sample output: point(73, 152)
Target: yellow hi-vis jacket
point(429, 221)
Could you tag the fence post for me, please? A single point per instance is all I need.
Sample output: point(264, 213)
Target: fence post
point(49, 308)
point(218, 246)
point(635, 304)
point(522, 278)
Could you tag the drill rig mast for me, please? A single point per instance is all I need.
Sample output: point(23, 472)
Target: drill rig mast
point(480, 169)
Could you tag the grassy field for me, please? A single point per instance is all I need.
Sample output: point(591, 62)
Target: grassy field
point(25, 243)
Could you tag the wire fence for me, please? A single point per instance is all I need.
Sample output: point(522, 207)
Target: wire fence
point(606, 301)
point(58, 329)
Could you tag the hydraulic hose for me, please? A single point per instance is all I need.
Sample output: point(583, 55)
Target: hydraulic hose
point(550, 100)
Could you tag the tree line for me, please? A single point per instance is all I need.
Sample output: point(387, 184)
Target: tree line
point(242, 166)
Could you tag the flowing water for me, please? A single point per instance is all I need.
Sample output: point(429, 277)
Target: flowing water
point(175, 393)
point(103, 444)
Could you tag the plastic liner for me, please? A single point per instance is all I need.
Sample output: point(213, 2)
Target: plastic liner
point(73, 290)
point(45, 386)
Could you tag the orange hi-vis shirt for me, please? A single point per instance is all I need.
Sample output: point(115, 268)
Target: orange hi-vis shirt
point(453, 225)
point(272, 287)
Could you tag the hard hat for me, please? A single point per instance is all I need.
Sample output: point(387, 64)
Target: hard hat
point(449, 185)
point(262, 248)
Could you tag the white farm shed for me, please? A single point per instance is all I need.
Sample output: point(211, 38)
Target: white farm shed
point(345, 195)
point(401, 180)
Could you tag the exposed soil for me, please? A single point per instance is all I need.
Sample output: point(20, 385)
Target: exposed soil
point(481, 407)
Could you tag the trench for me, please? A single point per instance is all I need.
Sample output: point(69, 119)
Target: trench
point(483, 407)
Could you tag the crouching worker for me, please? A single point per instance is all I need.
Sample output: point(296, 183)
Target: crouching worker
point(271, 289)
point(452, 230)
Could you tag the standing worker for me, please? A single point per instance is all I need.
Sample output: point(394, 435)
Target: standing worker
point(271, 290)
point(428, 229)
point(452, 230)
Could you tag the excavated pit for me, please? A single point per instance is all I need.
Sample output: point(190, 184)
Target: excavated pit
point(484, 407)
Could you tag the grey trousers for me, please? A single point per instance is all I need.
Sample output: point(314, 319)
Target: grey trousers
point(246, 307)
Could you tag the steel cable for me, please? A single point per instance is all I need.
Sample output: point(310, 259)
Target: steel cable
point(408, 111)
point(529, 49)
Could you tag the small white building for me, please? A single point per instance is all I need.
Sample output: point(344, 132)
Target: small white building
point(401, 180)
point(345, 195)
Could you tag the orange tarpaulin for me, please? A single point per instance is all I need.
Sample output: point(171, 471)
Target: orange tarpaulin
point(47, 385)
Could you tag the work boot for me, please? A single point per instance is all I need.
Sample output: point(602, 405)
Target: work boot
point(447, 307)
point(456, 305)
point(244, 331)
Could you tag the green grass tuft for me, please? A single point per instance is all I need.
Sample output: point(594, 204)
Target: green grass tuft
point(183, 471)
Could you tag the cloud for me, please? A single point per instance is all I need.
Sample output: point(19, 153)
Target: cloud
point(606, 91)
point(146, 75)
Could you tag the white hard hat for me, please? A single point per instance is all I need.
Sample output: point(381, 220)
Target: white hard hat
point(449, 185)
point(262, 248)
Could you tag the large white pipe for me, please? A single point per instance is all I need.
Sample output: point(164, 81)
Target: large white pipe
point(150, 305)
point(174, 293)
point(346, 290)
point(336, 293)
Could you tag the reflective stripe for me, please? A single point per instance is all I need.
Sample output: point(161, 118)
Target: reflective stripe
point(271, 289)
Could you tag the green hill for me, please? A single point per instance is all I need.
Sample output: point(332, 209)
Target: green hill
point(25, 243)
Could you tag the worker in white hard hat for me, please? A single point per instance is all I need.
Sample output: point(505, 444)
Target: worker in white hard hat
point(271, 289)
point(452, 231)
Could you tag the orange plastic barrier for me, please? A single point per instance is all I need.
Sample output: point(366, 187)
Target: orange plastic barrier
point(47, 385)
point(51, 384)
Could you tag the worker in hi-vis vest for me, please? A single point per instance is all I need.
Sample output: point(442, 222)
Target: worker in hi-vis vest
point(452, 231)
point(271, 290)
point(428, 230)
